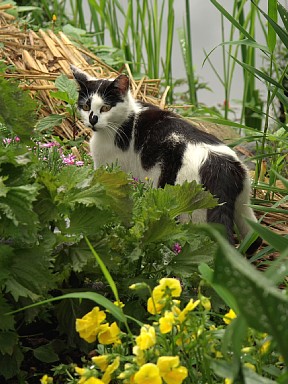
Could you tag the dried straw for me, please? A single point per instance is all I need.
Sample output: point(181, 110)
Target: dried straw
point(39, 58)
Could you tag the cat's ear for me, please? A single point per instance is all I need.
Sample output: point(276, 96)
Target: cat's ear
point(121, 83)
point(80, 76)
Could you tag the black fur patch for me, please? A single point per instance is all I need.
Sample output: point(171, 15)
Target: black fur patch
point(153, 131)
point(124, 134)
point(223, 176)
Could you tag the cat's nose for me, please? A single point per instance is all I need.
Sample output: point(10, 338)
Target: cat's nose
point(93, 119)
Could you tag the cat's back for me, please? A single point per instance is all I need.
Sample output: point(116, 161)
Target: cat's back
point(162, 126)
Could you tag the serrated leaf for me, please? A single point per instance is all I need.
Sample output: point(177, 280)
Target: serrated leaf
point(87, 220)
point(17, 109)
point(178, 199)
point(49, 122)
point(18, 218)
point(160, 230)
point(201, 250)
point(26, 263)
point(117, 191)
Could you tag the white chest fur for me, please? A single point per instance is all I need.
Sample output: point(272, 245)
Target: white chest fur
point(104, 152)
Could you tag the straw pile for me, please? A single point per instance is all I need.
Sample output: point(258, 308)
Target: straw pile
point(39, 58)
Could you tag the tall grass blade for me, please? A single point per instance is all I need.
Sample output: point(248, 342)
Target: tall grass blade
point(284, 15)
point(104, 270)
point(278, 242)
point(283, 35)
point(98, 299)
point(272, 12)
point(232, 20)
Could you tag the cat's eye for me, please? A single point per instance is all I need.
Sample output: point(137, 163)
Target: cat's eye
point(85, 107)
point(105, 108)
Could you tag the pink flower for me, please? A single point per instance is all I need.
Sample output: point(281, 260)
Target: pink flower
point(79, 163)
point(49, 145)
point(69, 159)
point(16, 139)
point(7, 141)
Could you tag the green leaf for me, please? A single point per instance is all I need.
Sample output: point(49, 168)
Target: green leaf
point(278, 242)
point(283, 14)
point(67, 86)
point(46, 353)
point(17, 109)
point(95, 297)
point(8, 340)
point(6, 321)
point(283, 35)
point(117, 190)
point(88, 220)
point(200, 250)
point(26, 263)
point(49, 122)
point(263, 306)
point(104, 270)
point(161, 229)
point(18, 218)
point(10, 365)
point(272, 12)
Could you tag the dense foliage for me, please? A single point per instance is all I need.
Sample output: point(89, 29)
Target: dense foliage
point(72, 238)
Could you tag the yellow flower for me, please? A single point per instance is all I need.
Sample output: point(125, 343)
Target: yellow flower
point(119, 304)
point(109, 334)
point(54, 18)
point(167, 287)
point(171, 370)
point(88, 326)
point(154, 307)
point(229, 316)
point(46, 379)
point(189, 307)
point(140, 357)
point(80, 371)
point(147, 337)
point(93, 380)
point(148, 374)
point(250, 366)
point(228, 381)
point(101, 361)
point(166, 322)
point(110, 369)
point(173, 286)
point(205, 302)
point(265, 347)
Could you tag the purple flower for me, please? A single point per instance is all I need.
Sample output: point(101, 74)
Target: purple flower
point(79, 163)
point(177, 248)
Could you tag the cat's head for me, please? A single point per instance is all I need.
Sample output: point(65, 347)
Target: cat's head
point(102, 103)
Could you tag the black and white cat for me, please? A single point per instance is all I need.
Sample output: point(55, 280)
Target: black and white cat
point(149, 142)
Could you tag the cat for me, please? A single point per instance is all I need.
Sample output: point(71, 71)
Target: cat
point(149, 142)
